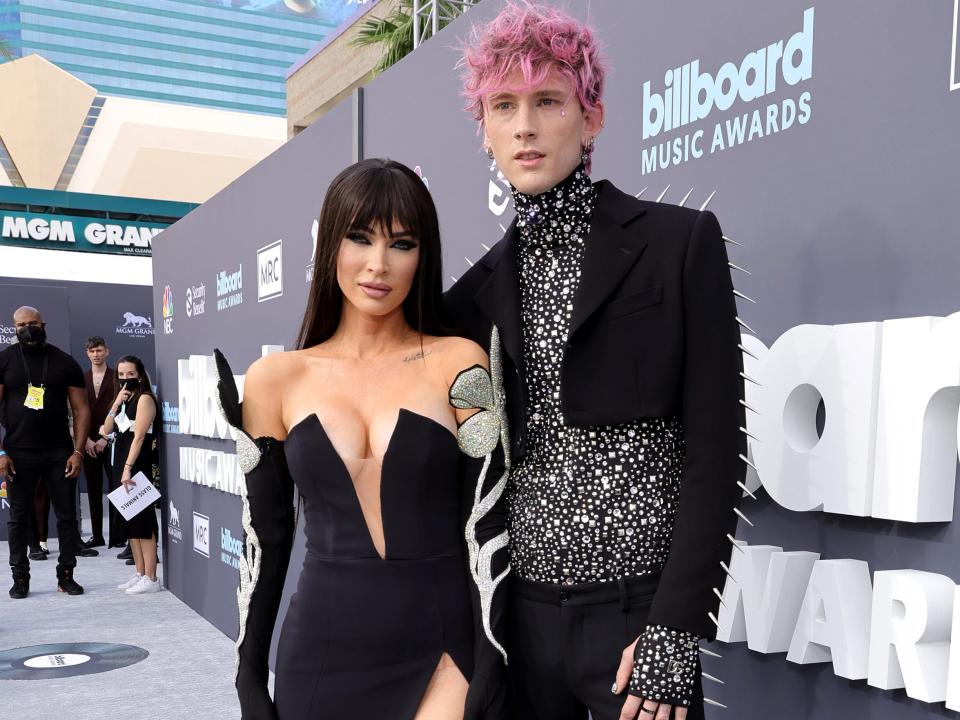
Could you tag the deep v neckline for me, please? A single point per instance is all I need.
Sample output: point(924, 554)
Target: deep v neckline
point(314, 420)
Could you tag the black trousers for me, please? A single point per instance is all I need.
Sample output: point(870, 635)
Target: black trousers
point(40, 515)
point(565, 643)
point(32, 467)
point(94, 470)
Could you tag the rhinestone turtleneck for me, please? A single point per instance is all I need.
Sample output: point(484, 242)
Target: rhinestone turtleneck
point(588, 504)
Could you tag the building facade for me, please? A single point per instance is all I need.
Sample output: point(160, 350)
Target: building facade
point(227, 54)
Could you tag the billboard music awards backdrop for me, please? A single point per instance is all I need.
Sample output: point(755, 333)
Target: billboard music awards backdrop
point(825, 136)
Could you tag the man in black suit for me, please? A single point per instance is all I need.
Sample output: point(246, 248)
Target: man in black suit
point(621, 370)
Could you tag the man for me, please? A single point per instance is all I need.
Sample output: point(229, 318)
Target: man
point(37, 381)
point(621, 371)
point(100, 381)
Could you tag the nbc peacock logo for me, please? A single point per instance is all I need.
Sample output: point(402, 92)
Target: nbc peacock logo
point(167, 310)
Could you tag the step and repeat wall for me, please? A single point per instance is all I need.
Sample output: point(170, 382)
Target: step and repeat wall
point(825, 138)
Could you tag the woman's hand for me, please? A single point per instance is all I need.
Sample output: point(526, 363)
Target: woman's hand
point(122, 397)
point(126, 480)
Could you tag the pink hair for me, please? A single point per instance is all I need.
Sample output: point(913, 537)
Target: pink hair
point(536, 39)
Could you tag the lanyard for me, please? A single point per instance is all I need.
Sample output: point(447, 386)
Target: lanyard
point(26, 370)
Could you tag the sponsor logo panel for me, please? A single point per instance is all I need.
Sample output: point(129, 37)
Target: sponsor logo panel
point(270, 271)
point(231, 548)
point(201, 534)
point(137, 326)
point(174, 531)
point(196, 300)
point(229, 289)
point(167, 309)
point(8, 334)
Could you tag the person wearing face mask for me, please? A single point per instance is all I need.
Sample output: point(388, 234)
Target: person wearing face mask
point(390, 430)
point(37, 382)
point(131, 418)
point(623, 389)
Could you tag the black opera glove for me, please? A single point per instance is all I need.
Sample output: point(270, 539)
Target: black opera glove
point(268, 525)
point(485, 464)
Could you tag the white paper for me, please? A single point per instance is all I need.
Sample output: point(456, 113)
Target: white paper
point(122, 422)
point(130, 501)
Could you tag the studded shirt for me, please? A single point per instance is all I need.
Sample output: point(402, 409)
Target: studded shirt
point(588, 504)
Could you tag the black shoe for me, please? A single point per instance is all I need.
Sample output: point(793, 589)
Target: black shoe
point(94, 542)
point(66, 583)
point(37, 553)
point(131, 561)
point(126, 554)
point(21, 586)
point(84, 551)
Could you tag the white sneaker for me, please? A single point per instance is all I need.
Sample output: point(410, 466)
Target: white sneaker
point(131, 582)
point(144, 585)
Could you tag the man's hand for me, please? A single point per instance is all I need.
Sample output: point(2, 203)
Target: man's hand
point(6, 467)
point(100, 445)
point(90, 448)
point(636, 708)
point(74, 462)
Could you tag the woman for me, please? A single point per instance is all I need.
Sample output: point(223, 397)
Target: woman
point(365, 418)
point(131, 417)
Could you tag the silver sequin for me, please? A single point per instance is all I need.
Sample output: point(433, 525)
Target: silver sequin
point(475, 388)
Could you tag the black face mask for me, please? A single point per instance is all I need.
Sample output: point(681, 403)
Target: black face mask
point(132, 384)
point(32, 336)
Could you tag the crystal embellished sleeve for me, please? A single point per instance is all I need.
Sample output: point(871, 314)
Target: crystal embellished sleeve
point(666, 663)
point(268, 525)
point(484, 441)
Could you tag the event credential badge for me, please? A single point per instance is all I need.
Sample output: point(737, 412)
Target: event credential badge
point(34, 399)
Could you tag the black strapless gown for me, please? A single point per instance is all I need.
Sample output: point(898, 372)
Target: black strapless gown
point(364, 635)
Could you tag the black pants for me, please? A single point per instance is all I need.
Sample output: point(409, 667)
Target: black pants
point(94, 470)
point(565, 643)
point(40, 515)
point(31, 467)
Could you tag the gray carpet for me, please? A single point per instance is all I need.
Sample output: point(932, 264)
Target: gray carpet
point(188, 675)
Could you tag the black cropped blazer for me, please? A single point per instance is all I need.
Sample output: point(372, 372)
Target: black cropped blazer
point(654, 333)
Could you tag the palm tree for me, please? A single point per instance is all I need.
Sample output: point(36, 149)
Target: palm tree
point(5, 51)
point(395, 31)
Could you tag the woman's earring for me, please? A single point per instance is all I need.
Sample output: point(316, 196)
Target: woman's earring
point(489, 152)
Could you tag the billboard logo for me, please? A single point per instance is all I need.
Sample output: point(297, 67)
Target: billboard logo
point(201, 534)
point(173, 525)
point(229, 289)
point(690, 96)
point(270, 271)
point(170, 417)
point(231, 549)
point(196, 300)
point(955, 49)
point(135, 325)
point(167, 308)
